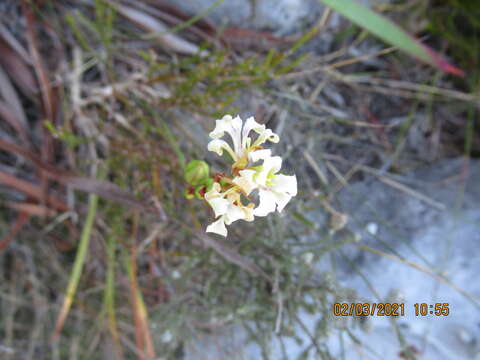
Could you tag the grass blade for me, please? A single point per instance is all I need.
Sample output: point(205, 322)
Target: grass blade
point(109, 295)
point(153, 25)
point(143, 336)
point(391, 33)
point(78, 265)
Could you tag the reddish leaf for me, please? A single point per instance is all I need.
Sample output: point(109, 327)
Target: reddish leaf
point(101, 188)
point(41, 73)
point(31, 209)
point(31, 190)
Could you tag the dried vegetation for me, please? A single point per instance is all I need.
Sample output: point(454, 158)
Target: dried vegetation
point(102, 106)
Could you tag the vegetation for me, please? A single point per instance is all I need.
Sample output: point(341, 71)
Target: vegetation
point(103, 107)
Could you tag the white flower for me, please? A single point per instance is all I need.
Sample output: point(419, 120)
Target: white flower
point(246, 179)
point(225, 197)
point(227, 207)
point(275, 190)
point(239, 133)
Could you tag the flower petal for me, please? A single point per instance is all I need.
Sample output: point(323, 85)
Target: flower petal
point(218, 227)
point(233, 126)
point(233, 213)
point(281, 199)
point(285, 184)
point(254, 156)
point(267, 203)
point(236, 135)
point(216, 200)
point(264, 135)
point(248, 210)
point(271, 165)
point(245, 181)
point(218, 146)
point(214, 191)
point(250, 124)
point(219, 206)
point(221, 126)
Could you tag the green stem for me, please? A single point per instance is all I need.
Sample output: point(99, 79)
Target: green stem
point(78, 265)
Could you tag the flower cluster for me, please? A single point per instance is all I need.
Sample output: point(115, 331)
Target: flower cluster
point(254, 169)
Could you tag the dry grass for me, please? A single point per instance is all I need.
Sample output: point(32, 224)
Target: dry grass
point(99, 99)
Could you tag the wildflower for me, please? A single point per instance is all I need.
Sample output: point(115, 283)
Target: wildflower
point(275, 190)
point(243, 148)
point(225, 194)
point(228, 207)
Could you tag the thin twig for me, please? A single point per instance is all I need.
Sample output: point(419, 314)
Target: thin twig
point(232, 256)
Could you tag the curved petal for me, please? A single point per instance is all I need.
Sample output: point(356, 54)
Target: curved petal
point(267, 203)
point(214, 191)
point(274, 164)
point(248, 210)
point(219, 205)
point(221, 126)
point(233, 213)
point(217, 146)
point(266, 135)
point(217, 227)
point(281, 199)
point(232, 126)
point(245, 181)
point(285, 184)
point(250, 124)
point(271, 165)
point(216, 200)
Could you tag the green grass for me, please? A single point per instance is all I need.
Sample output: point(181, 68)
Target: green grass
point(458, 22)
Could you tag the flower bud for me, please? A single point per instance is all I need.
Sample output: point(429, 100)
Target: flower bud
point(208, 184)
point(189, 193)
point(200, 192)
point(196, 172)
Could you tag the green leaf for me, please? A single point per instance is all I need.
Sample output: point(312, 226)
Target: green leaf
point(390, 33)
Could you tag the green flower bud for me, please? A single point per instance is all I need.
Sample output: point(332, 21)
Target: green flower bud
point(208, 184)
point(200, 192)
point(188, 194)
point(196, 172)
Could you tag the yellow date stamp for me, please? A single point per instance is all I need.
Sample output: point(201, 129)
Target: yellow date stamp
point(368, 309)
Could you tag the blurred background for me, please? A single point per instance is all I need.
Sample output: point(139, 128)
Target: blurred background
point(102, 105)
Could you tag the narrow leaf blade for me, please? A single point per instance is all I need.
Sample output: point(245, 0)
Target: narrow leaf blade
point(391, 33)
